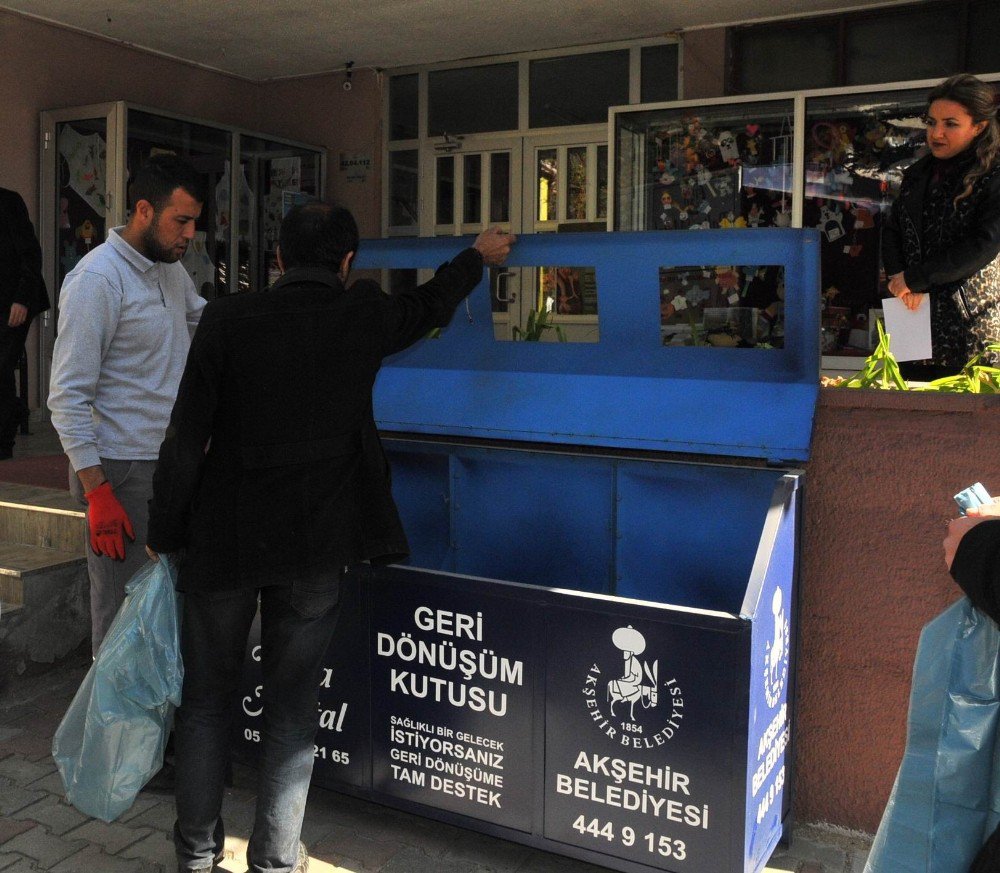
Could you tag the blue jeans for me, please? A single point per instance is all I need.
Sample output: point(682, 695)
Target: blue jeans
point(297, 624)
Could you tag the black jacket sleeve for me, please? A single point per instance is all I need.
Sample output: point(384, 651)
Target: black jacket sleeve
point(182, 453)
point(26, 287)
point(970, 255)
point(412, 313)
point(976, 567)
point(892, 241)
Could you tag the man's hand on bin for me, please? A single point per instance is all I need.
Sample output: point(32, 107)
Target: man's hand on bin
point(494, 245)
point(108, 522)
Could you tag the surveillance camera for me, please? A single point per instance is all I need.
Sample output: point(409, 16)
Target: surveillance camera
point(347, 85)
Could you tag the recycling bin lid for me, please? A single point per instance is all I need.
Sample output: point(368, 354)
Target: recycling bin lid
point(627, 390)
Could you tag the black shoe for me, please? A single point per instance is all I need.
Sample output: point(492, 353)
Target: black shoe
point(6, 454)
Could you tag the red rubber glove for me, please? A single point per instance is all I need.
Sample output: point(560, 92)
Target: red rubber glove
point(108, 521)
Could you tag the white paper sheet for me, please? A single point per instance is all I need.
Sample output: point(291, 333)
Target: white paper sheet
point(909, 332)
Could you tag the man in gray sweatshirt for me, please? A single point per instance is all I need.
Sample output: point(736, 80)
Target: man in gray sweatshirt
point(127, 313)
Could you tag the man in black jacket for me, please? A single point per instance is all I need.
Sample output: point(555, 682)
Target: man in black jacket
point(272, 480)
point(22, 297)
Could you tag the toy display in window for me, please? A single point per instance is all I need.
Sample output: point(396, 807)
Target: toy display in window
point(698, 176)
point(852, 164)
point(726, 306)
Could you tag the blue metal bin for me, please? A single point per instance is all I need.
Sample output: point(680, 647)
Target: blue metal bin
point(591, 649)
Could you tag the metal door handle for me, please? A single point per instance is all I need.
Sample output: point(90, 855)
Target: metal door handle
point(503, 292)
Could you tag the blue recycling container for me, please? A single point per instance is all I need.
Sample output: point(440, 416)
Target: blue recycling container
point(592, 647)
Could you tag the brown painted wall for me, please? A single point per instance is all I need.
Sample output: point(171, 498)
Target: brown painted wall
point(318, 110)
point(878, 491)
point(704, 63)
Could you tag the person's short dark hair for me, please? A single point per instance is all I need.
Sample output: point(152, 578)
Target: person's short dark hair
point(160, 175)
point(316, 234)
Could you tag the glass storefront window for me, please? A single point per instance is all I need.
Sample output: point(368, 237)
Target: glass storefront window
point(500, 187)
point(576, 190)
point(273, 177)
point(472, 198)
point(658, 73)
point(207, 259)
point(857, 147)
point(713, 167)
point(930, 36)
point(602, 181)
point(723, 306)
point(403, 203)
point(80, 192)
point(577, 89)
point(547, 184)
point(445, 190)
point(403, 113)
point(458, 105)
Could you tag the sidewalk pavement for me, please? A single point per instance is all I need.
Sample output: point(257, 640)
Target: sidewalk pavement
point(39, 831)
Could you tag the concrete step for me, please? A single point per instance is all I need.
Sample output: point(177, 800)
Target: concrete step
point(44, 601)
point(19, 563)
point(45, 517)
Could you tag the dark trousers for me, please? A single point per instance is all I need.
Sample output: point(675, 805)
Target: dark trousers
point(297, 624)
point(13, 410)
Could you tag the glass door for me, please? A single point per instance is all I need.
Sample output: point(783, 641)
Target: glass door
point(475, 187)
point(565, 191)
point(81, 183)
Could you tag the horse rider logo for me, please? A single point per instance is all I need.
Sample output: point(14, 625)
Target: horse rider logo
point(776, 653)
point(617, 705)
point(630, 689)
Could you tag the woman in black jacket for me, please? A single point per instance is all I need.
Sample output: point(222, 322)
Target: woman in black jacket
point(942, 237)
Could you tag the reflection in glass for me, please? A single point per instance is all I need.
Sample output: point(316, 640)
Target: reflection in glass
point(718, 167)
point(273, 177)
point(207, 148)
point(724, 306)
point(548, 177)
point(472, 200)
point(576, 89)
point(658, 73)
point(576, 201)
point(500, 187)
point(931, 37)
point(403, 207)
point(567, 290)
point(854, 160)
point(445, 191)
point(602, 181)
point(403, 107)
point(80, 192)
point(456, 104)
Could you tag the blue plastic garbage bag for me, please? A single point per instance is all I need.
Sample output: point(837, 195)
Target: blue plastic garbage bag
point(946, 799)
point(111, 740)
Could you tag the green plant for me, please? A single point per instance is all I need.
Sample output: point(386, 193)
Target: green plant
point(974, 378)
point(538, 322)
point(880, 369)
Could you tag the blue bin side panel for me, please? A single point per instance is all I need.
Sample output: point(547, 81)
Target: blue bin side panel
point(534, 518)
point(771, 603)
point(627, 390)
point(687, 533)
point(421, 487)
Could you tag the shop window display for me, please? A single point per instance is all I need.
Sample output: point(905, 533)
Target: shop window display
point(711, 167)
point(856, 149)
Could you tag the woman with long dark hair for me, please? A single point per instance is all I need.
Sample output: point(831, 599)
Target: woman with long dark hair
point(942, 238)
